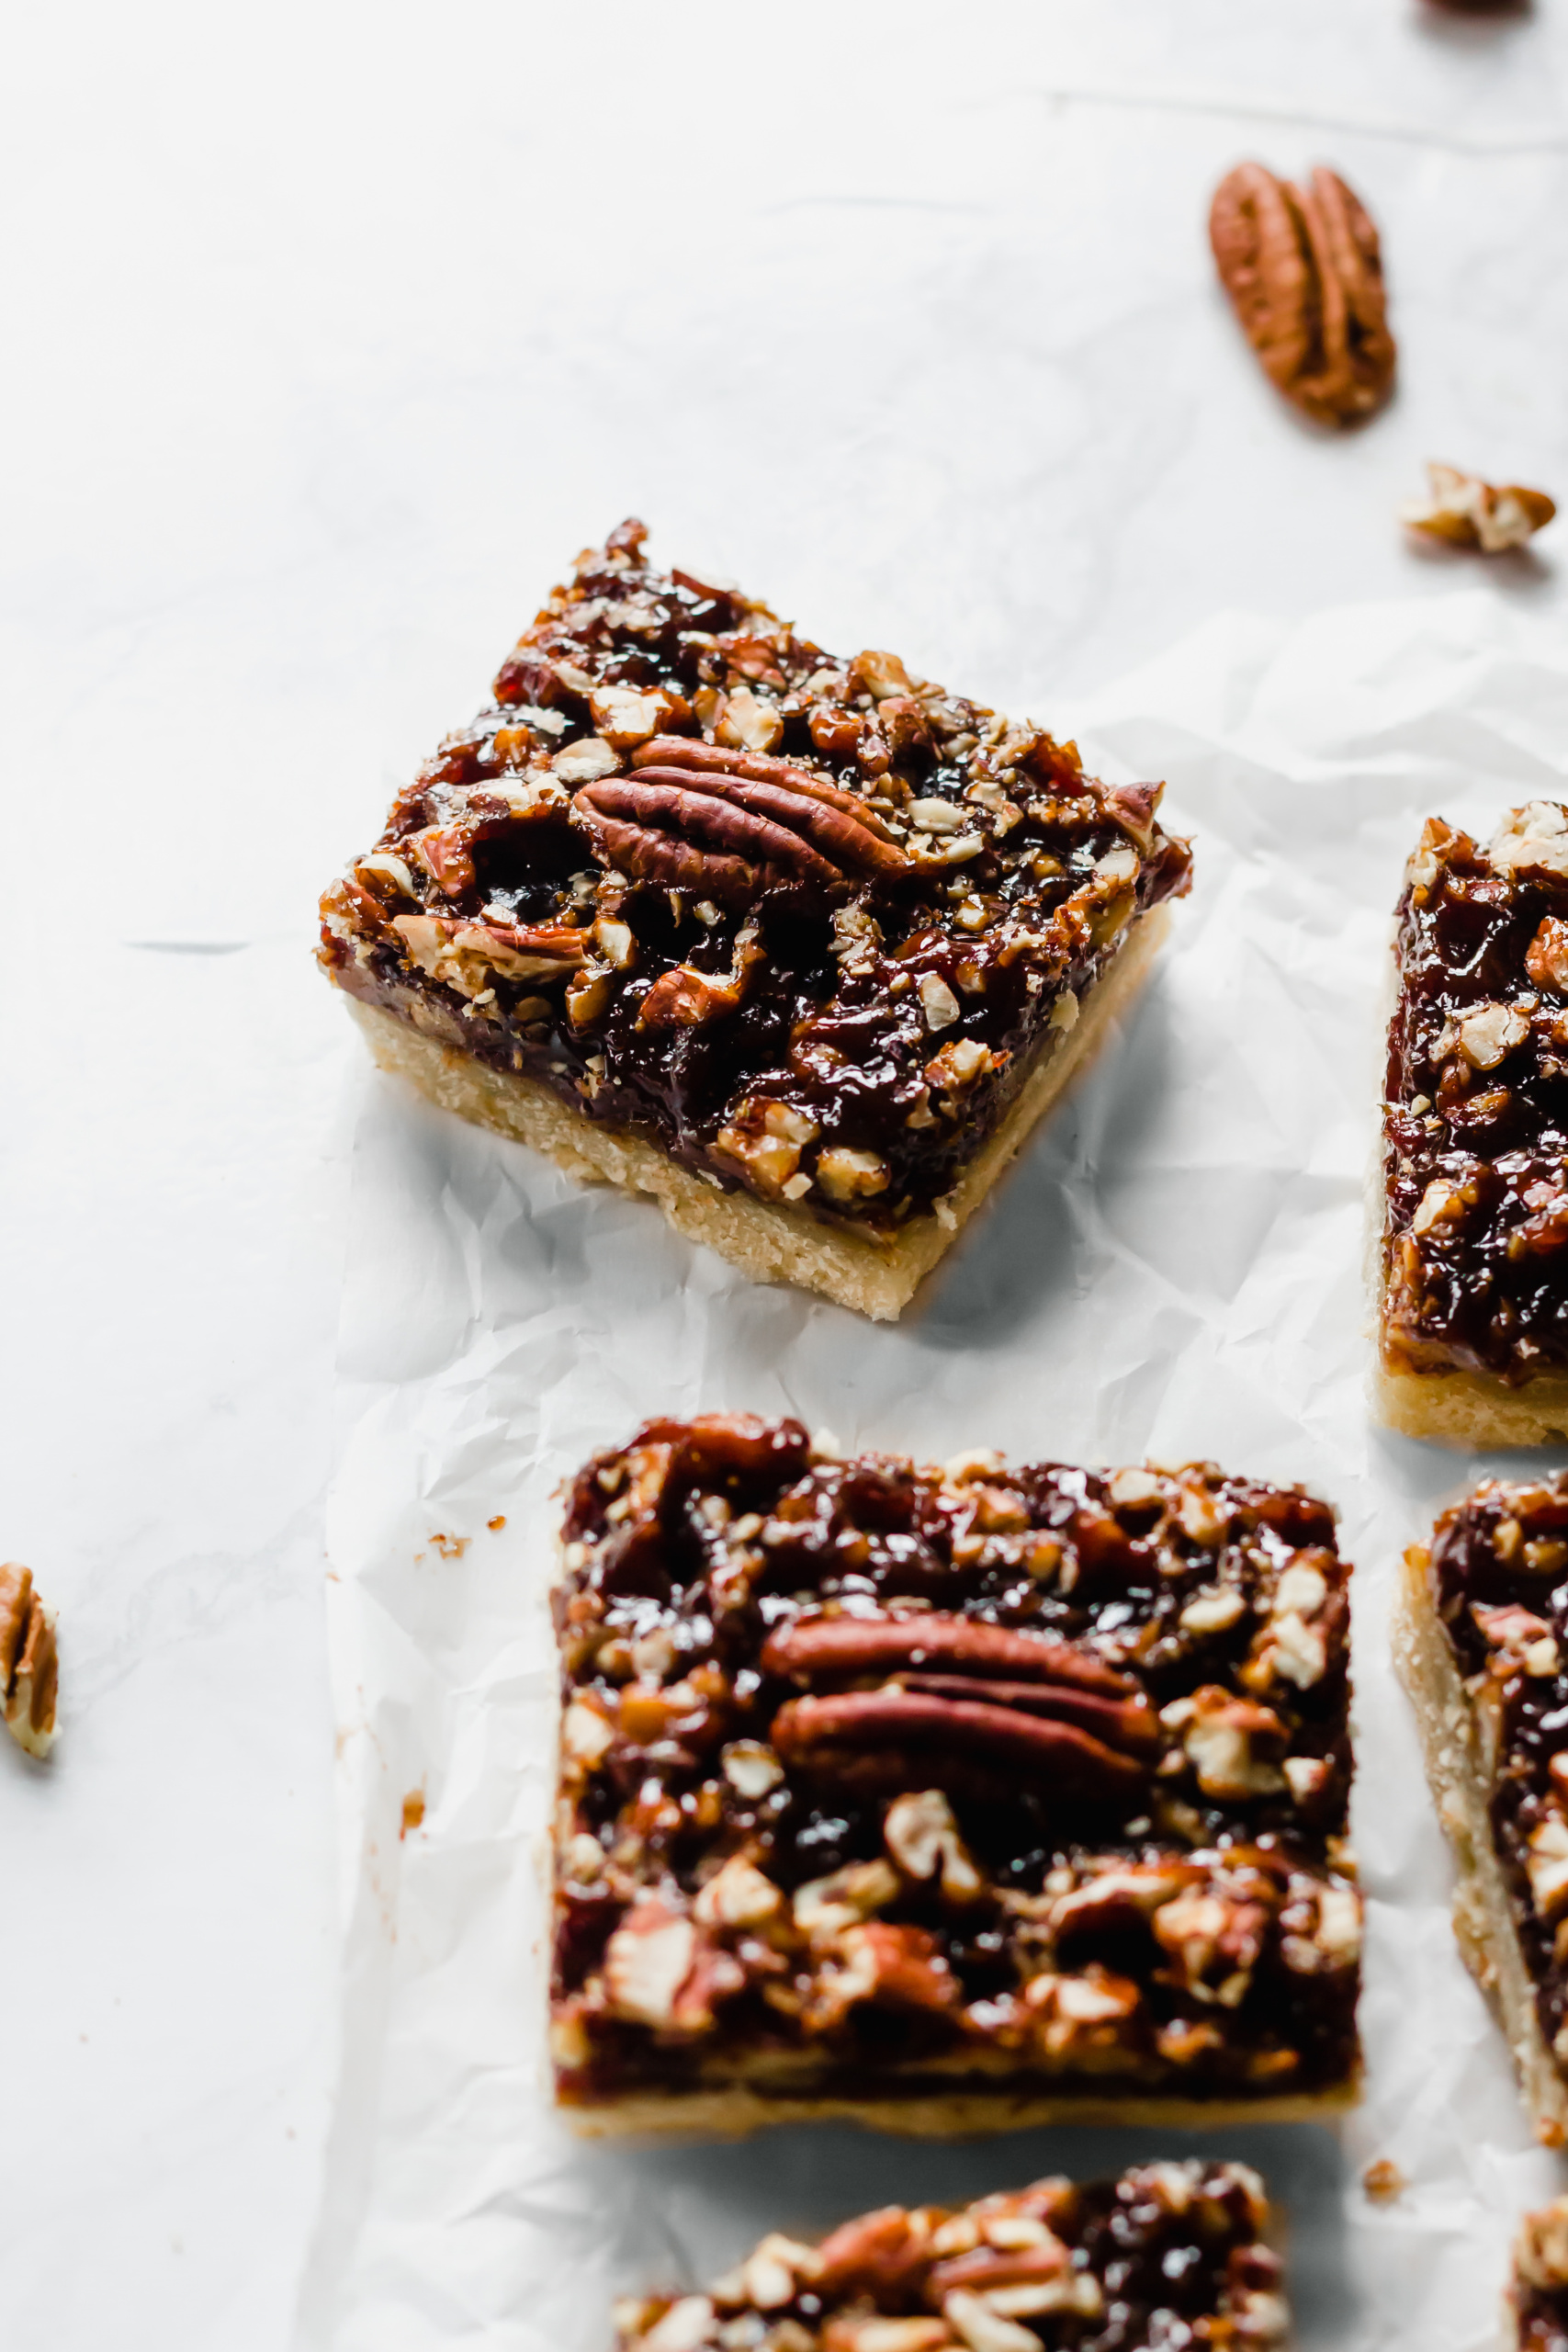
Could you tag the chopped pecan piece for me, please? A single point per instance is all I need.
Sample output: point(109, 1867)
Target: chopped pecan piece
point(1468, 513)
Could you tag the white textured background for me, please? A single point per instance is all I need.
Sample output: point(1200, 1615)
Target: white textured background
point(332, 333)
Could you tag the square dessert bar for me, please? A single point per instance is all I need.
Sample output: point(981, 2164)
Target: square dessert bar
point(802, 947)
point(1474, 1250)
point(948, 1799)
point(1480, 1645)
point(1537, 2303)
point(1168, 2255)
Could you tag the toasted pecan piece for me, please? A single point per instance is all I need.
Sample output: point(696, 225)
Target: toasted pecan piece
point(1470, 513)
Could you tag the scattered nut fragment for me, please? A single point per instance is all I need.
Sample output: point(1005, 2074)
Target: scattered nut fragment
point(751, 1768)
point(923, 1838)
point(29, 1664)
point(738, 1895)
point(1470, 513)
point(1304, 271)
point(1382, 2181)
point(646, 1962)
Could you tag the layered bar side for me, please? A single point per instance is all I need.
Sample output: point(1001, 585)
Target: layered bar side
point(948, 1798)
point(802, 947)
point(1536, 2308)
point(1474, 1260)
point(1480, 1647)
point(1166, 2256)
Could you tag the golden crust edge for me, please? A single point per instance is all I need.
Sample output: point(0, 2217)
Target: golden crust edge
point(768, 1242)
point(1469, 1409)
point(734, 2112)
point(1483, 1922)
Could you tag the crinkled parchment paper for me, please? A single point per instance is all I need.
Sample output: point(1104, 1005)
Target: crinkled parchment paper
point(1174, 1270)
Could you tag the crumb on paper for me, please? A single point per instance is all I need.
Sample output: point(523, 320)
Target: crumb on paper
point(451, 1547)
point(497, 1524)
point(1383, 2181)
point(413, 1811)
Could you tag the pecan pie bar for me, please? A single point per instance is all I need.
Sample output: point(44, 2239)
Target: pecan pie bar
point(947, 1798)
point(1168, 2255)
point(1537, 2292)
point(1474, 1246)
point(802, 947)
point(1483, 1617)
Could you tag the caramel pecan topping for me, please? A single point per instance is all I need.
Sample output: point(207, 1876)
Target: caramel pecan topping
point(1304, 270)
point(805, 924)
point(1475, 1240)
point(1168, 2254)
point(29, 1662)
point(876, 1765)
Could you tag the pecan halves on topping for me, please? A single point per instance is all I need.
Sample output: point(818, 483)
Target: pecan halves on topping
point(1304, 271)
point(693, 839)
point(760, 768)
point(29, 1663)
point(907, 1729)
point(729, 825)
point(1120, 1722)
point(818, 1647)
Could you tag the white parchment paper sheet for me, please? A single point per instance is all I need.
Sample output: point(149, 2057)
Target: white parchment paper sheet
point(1174, 1270)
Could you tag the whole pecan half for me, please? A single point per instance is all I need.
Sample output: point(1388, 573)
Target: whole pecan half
point(896, 1732)
point(1304, 270)
point(814, 1648)
point(728, 825)
point(1002, 1700)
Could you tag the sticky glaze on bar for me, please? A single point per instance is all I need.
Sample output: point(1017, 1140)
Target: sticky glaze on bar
point(1166, 2256)
point(885, 1784)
